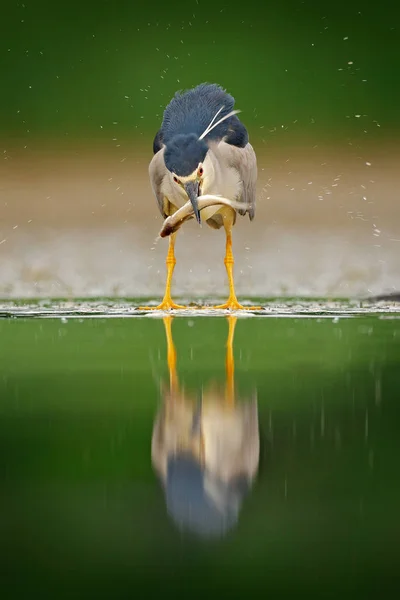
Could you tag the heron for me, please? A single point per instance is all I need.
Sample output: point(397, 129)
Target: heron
point(202, 148)
point(205, 447)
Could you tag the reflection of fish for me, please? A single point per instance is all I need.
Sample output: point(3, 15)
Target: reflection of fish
point(206, 454)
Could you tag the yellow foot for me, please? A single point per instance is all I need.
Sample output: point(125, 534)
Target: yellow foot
point(165, 305)
point(233, 304)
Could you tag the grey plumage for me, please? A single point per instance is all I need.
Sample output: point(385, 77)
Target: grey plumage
point(229, 160)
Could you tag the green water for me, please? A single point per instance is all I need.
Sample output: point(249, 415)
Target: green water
point(83, 512)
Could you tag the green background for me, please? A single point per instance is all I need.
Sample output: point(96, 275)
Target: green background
point(106, 69)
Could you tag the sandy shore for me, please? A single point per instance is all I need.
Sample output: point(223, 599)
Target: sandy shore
point(82, 222)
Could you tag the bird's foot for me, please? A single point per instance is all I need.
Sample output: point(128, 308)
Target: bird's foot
point(166, 304)
point(233, 304)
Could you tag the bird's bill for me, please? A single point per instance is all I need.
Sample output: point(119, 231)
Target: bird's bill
point(192, 190)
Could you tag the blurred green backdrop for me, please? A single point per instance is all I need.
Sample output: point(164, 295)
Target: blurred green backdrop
point(82, 514)
point(108, 68)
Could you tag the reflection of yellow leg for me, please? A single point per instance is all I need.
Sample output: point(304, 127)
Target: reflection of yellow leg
point(167, 303)
point(232, 303)
point(171, 354)
point(230, 363)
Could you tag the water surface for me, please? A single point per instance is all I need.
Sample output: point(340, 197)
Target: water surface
point(310, 502)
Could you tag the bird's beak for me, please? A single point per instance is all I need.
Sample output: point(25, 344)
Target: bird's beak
point(192, 190)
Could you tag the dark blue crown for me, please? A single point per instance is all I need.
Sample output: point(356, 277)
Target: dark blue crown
point(183, 153)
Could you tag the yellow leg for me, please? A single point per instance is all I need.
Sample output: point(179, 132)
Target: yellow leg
point(171, 354)
point(230, 363)
point(232, 303)
point(167, 303)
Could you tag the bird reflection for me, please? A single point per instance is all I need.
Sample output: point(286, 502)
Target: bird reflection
point(205, 449)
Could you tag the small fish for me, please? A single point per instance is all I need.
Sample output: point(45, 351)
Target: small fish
point(186, 212)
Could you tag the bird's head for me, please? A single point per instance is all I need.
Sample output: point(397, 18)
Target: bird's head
point(186, 158)
point(199, 502)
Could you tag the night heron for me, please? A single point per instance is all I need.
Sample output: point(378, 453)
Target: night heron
point(203, 149)
point(205, 449)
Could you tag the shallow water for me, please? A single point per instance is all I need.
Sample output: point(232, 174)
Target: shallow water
point(303, 495)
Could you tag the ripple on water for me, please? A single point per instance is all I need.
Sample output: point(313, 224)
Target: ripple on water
point(118, 309)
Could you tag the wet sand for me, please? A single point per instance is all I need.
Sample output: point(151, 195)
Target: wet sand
point(82, 221)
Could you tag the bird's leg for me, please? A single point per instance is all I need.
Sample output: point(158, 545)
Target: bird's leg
point(167, 303)
point(171, 355)
point(229, 363)
point(173, 397)
point(232, 303)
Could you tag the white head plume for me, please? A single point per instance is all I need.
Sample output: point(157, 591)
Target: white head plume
point(212, 124)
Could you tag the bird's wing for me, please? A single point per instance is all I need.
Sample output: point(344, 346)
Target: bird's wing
point(245, 162)
point(157, 172)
